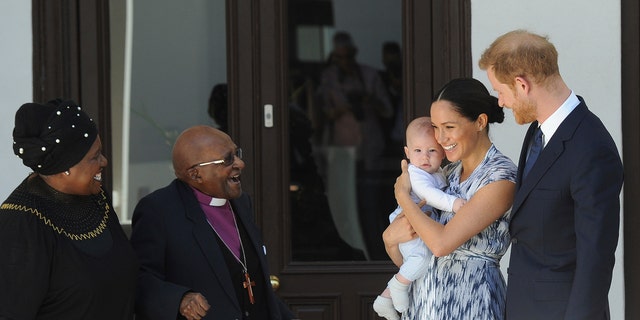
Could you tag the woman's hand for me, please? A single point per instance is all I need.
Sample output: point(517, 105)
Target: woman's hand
point(400, 230)
point(402, 186)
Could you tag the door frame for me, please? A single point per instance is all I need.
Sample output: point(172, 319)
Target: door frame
point(630, 73)
point(71, 59)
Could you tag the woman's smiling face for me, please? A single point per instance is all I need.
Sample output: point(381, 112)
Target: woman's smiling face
point(456, 134)
point(85, 177)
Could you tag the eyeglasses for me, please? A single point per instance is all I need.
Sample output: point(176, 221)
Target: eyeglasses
point(227, 161)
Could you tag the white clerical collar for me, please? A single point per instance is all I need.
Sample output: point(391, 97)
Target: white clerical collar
point(217, 202)
point(207, 199)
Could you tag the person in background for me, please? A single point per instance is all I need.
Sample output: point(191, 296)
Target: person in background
point(566, 212)
point(202, 256)
point(64, 253)
point(355, 103)
point(391, 75)
point(218, 106)
point(354, 98)
point(427, 182)
point(464, 280)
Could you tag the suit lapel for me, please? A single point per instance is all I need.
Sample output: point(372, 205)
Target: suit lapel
point(548, 156)
point(207, 242)
point(244, 212)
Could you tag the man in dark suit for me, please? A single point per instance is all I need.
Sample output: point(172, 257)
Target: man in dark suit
point(566, 211)
point(202, 256)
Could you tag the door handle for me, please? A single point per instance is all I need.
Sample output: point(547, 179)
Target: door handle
point(275, 282)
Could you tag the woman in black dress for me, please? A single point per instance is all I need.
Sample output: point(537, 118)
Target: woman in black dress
point(63, 253)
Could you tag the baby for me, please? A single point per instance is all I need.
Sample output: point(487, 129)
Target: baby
point(427, 181)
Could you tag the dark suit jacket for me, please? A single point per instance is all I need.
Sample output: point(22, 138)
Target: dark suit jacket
point(566, 215)
point(178, 252)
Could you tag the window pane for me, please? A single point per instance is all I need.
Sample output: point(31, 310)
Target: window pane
point(174, 55)
point(346, 129)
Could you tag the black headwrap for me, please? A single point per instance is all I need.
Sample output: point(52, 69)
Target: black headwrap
point(54, 137)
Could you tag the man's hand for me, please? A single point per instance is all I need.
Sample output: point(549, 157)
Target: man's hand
point(193, 306)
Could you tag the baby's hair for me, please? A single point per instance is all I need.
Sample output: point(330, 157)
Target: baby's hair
point(420, 123)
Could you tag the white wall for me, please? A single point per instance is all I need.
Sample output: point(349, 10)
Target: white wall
point(589, 58)
point(15, 85)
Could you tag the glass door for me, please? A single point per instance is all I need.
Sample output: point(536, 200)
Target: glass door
point(345, 126)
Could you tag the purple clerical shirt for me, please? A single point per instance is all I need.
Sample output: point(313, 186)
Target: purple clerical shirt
point(220, 217)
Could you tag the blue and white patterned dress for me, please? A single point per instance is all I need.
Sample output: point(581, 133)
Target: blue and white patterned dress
point(467, 283)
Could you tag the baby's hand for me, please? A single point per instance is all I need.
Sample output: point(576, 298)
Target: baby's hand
point(457, 204)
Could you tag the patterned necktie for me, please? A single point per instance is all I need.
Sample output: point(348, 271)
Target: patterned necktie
point(534, 151)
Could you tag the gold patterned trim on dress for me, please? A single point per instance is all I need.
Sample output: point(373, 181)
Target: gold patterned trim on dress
point(82, 236)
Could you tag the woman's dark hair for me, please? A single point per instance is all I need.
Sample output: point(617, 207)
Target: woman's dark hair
point(471, 98)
